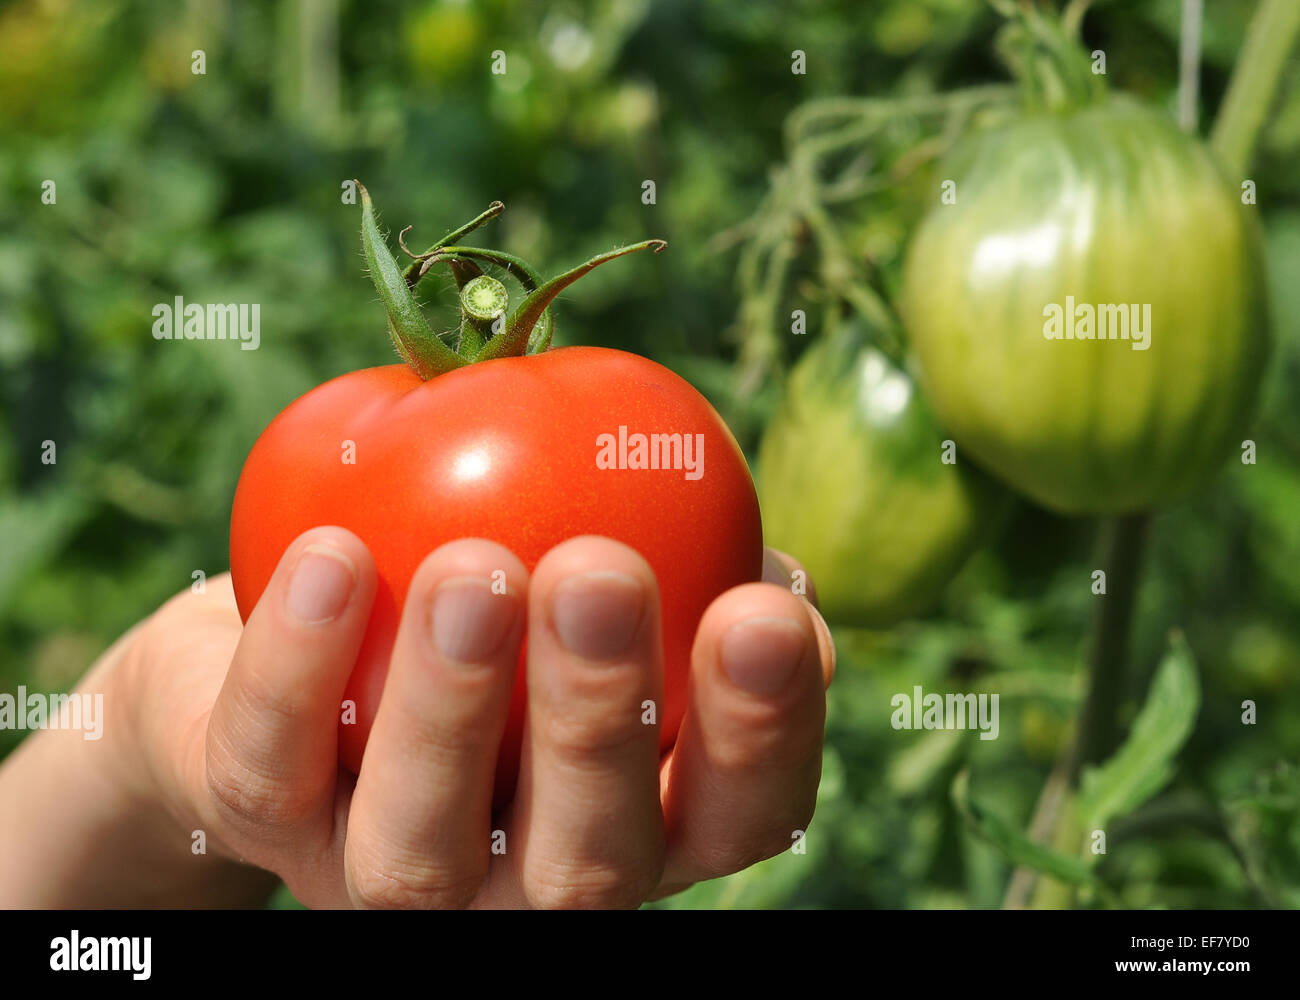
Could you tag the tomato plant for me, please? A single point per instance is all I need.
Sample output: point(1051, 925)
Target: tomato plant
point(526, 450)
point(1101, 219)
point(852, 476)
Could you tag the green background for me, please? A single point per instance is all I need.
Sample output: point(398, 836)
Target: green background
point(225, 187)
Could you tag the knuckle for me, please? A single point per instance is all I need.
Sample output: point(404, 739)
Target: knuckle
point(762, 751)
point(390, 887)
point(719, 856)
point(719, 859)
point(586, 727)
point(590, 887)
point(727, 859)
point(579, 741)
point(766, 739)
point(709, 850)
point(448, 742)
point(249, 799)
point(275, 707)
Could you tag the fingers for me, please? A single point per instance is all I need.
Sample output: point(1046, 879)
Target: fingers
point(742, 779)
point(587, 809)
point(419, 827)
point(271, 757)
point(786, 571)
point(587, 827)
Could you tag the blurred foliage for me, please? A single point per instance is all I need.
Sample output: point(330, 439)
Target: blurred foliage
point(225, 187)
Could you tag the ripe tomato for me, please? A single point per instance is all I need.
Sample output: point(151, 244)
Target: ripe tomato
point(851, 478)
point(1106, 206)
point(506, 450)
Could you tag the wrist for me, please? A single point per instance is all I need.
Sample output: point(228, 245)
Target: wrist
point(83, 823)
point(182, 862)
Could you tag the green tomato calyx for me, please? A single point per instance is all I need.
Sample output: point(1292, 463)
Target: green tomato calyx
point(1044, 53)
point(487, 330)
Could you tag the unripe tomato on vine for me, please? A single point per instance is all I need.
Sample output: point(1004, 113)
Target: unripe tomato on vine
point(1089, 310)
point(853, 475)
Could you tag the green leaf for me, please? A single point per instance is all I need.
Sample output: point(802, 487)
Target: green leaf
point(1144, 764)
point(36, 529)
point(1017, 848)
point(910, 771)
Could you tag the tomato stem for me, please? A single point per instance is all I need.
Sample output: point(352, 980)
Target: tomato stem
point(1122, 545)
point(483, 304)
point(1255, 77)
point(1123, 541)
point(519, 269)
point(486, 331)
point(1044, 54)
point(818, 134)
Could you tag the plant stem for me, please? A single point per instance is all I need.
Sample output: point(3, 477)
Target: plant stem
point(880, 109)
point(1072, 18)
point(1269, 40)
point(1189, 65)
point(1123, 541)
point(1052, 800)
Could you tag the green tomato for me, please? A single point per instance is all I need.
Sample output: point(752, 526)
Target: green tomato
point(1059, 216)
point(852, 481)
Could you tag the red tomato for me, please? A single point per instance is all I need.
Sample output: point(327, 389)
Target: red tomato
point(504, 450)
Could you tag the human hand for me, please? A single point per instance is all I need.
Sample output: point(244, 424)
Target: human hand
point(233, 731)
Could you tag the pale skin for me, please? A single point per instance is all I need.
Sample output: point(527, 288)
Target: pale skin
point(214, 726)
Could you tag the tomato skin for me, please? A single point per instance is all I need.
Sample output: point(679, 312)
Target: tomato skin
point(504, 450)
point(1111, 204)
point(850, 478)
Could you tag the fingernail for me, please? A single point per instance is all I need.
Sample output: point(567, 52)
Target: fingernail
point(321, 585)
point(760, 655)
point(596, 615)
point(469, 621)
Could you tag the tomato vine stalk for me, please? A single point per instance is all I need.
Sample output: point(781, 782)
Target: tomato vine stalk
point(820, 135)
point(1270, 37)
